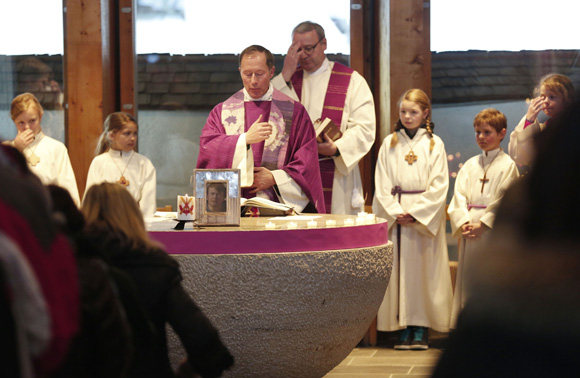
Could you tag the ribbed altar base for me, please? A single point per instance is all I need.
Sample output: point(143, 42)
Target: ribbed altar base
point(293, 314)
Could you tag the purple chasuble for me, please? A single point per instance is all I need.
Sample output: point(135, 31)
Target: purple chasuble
point(332, 108)
point(291, 147)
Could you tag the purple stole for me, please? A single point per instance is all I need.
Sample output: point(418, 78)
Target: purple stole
point(332, 108)
point(239, 115)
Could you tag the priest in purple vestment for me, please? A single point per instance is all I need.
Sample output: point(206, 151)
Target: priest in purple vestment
point(267, 135)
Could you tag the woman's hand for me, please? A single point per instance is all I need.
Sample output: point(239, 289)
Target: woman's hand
point(536, 106)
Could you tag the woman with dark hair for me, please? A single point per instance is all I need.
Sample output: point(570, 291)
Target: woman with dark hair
point(115, 225)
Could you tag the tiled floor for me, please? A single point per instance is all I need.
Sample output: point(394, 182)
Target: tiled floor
point(383, 361)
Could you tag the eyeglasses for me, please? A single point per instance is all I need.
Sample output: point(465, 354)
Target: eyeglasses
point(309, 49)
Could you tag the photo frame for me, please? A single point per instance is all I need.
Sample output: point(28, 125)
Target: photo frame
point(217, 196)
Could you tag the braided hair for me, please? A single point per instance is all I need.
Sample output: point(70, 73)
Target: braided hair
point(420, 98)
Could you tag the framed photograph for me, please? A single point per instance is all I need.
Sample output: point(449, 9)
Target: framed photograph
point(217, 196)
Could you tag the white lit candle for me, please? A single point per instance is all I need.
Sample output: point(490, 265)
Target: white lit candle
point(292, 225)
point(361, 220)
point(330, 223)
point(362, 214)
point(185, 208)
point(311, 223)
point(370, 219)
point(270, 225)
point(349, 222)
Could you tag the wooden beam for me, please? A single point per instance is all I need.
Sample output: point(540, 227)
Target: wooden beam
point(410, 55)
point(361, 57)
point(127, 58)
point(89, 93)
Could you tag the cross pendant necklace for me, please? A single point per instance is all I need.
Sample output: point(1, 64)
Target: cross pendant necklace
point(33, 159)
point(410, 157)
point(123, 181)
point(484, 180)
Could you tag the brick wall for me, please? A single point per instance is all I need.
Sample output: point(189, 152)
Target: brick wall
point(201, 81)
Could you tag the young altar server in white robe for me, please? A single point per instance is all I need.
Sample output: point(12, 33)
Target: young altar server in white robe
point(554, 93)
point(47, 158)
point(411, 189)
point(479, 188)
point(117, 161)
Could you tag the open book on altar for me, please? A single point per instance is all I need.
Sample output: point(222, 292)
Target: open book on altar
point(328, 127)
point(265, 206)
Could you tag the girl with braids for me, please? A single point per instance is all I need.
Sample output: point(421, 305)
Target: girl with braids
point(116, 161)
point(411, 182)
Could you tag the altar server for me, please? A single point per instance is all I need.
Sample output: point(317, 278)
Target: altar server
point(411, 188)
point(479, 188)
point(554, 93)
point(117, 161)
point(47, 158)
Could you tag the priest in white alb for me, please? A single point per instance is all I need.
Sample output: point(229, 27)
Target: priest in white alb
point(331, 90)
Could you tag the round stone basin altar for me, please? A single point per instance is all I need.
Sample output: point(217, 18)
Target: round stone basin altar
point(288, 302)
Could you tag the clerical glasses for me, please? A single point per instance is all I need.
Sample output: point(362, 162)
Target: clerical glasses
point(309, 49)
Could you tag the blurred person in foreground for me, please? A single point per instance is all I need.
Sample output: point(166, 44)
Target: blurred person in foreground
point(115, 225)
point(523, 316)
point(102, 348)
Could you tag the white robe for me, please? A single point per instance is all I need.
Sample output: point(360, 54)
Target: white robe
point(358, 127)
point(521, 147)
point(501, 172)
point(137, 169)
point(419, 292)
point(54, 166)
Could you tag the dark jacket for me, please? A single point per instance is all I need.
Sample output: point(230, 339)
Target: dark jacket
point(157, 279)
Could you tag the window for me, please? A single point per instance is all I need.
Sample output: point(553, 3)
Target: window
point(31, 61)
point(187, 63)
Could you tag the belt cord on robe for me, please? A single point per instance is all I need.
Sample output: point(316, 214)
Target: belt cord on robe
point(470, 206)
point(333, 108)
point(398, 190)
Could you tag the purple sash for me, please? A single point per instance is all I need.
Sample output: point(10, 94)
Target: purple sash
point(397, 190)
point(333, 109)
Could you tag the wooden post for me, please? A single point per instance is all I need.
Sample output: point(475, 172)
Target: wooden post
point(84, 73)
point(361, 58)
point(410, 55)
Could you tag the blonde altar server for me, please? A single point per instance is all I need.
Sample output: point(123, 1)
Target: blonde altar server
point(411, 188)
point(331, 90)
point(554, 94)
point(47, 158)
point(479, 188)
point(117, 161)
